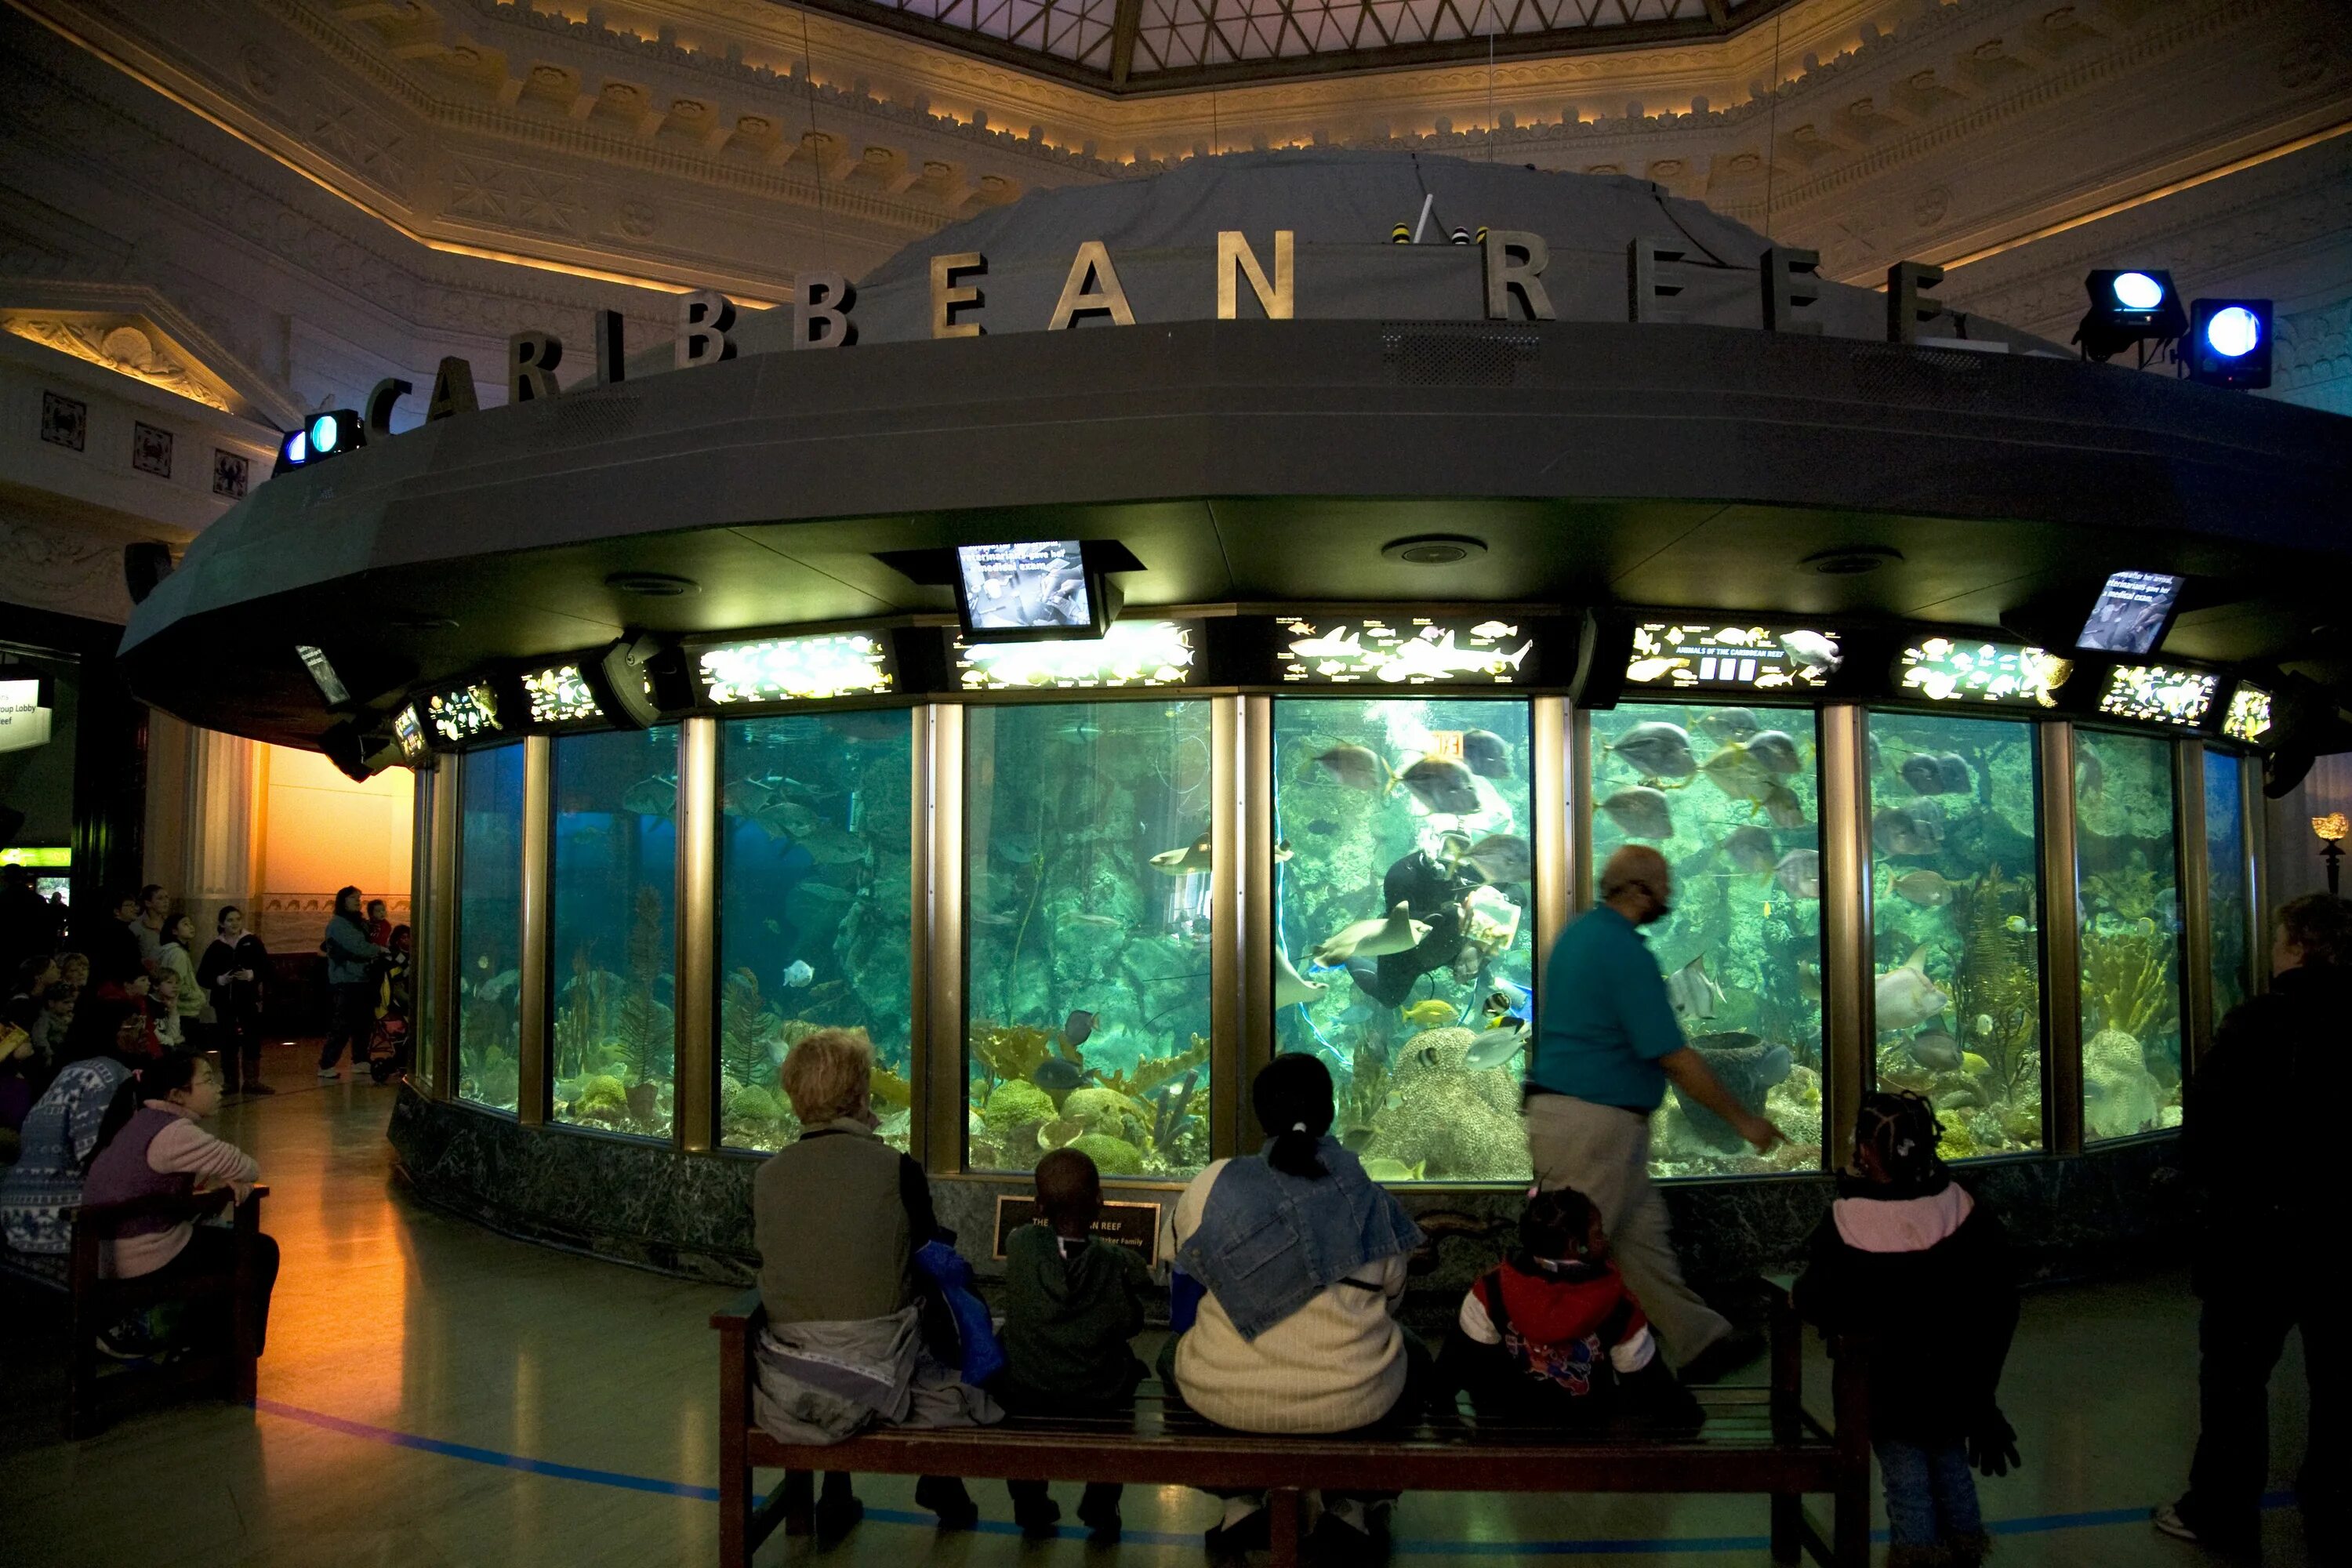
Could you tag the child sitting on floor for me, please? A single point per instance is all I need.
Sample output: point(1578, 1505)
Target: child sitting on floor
point(1912, 1262)
point(1072, 1302)
point(1552, 1334)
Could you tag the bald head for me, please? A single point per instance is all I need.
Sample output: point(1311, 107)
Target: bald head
point(1637, 883)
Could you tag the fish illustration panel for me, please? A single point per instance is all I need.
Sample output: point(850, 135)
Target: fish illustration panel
point(815, 889)
point(2129, 916)
point(1955, 835)
point(1087, 932)
point(490, 926)
point(1404, 924)
point(2225, 880)
point(1730, 795)
point(613, 1062)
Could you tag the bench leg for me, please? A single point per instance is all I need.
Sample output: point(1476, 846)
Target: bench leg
point(1282, 1525)
point(1851, 1523)
point(1788, 1527)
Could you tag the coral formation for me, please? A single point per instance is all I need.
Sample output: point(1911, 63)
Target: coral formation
point(1453, 1120)
point(1112, 1156)
point(1096, 1110)
point(2119, 1095)
point(2125, 984)
point(1015, 1104)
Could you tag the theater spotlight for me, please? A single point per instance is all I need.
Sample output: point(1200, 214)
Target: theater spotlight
point(2228, 343)
point(327, 434)
point(2130, 306)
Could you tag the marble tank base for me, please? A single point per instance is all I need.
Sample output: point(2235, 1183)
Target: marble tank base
point(655, 1207)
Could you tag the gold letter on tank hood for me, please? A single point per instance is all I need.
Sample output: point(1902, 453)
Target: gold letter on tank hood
point(1090, 265)
point(1236, 261)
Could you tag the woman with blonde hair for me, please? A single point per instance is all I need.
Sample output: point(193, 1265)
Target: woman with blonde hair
point(838, 1217)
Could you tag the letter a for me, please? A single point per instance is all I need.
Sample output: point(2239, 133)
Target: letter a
point(1091, 290)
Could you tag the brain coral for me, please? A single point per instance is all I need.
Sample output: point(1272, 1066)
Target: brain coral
point(1013, 1104)
point(1463, 1124)
point(1112, 1156)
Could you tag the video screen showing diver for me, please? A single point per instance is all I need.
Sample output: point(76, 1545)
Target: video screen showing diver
point(1404, 885)
point(1024, 586)
point(2131, 612)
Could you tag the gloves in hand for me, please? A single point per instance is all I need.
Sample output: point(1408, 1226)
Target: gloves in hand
point(1992, 1446)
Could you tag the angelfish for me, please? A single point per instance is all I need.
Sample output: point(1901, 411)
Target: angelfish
point(1907, 996)
point(1693, 992)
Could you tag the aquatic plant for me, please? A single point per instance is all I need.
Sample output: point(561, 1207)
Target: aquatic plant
point(2130, 893)
point(1995, 985)
point(1151, 1073)
point(1010, 1052)
point(2126, 982)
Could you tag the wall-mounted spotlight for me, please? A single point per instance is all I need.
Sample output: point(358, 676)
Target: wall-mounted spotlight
point(2128, 306)
point(327, 434)
point(2228, 343)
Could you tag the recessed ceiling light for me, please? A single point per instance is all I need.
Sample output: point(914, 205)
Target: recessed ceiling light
point(653, 584)
point(1433, 549)
point(1852, 559)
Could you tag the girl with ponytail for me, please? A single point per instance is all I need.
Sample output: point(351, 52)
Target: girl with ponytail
point(1289, 1267)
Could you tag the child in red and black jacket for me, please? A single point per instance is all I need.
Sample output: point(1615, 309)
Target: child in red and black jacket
point(1553, 1335)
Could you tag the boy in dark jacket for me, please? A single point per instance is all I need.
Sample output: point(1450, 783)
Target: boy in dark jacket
point(1911, 1263)
point(1552, 1334)
point(1072, 1302)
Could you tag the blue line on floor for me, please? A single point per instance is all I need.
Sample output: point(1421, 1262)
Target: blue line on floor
point(1402, 1546)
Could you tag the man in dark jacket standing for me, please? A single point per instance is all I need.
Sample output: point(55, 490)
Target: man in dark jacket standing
point(2260, 1139)
point(351, 981)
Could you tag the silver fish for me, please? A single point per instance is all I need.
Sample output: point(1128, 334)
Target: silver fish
point(1662, 750)
point(1957, 780)
point(1749, 848)
point(1443, 784)
point(1493, 1047)
point(1782, 808)
point(1799, 873)
point(652, 798)
point(1928, 888)
point(1501, 858)
point(1906, 997)
point(1728, 723)
point(1693, 992)
point(1935, 1050)
point(1906, 830)
point(1641, 812)
point(1357, 767)
point(1488, 754)
point(1776, 751)
point(1920, 772)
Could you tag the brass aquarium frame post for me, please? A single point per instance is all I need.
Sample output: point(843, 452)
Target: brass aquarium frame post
point(937, 1038)
point(532, 995)
point(1553, 799)
point(1580, 819)
point(2257, 830)
point(436, 864)
point(2194, 901)
point(694, 1097)
point(1241, 899)
point(2062, 945)
point(1848, 967)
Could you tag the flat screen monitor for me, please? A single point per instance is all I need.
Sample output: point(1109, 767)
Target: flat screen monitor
point(1030, 589)
point(2131, 613)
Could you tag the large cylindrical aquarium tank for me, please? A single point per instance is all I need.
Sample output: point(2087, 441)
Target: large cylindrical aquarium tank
point(1162, 626)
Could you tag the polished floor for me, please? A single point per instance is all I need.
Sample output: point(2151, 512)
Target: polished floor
point(436, 1395)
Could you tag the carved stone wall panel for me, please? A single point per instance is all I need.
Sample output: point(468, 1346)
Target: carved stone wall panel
point(46, 566)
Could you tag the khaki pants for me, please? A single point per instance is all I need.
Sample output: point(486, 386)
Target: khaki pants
point(1603, 1153)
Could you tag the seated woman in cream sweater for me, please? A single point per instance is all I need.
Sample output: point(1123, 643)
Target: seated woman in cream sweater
point(1287, 1265)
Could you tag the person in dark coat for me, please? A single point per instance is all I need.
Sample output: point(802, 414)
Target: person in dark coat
point(1913, 1265)
point(2259, 1139)
point(351, 982)
point(234, 972)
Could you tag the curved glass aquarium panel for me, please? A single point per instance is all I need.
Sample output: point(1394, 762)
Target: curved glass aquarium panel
point(1954, 850)
point(613, 945)
point(489, 925)
point(1731, 796)
point(1086, 933)
point(2226, 894)
point(815, 883)
point(2130, 914)
point(1404, 924)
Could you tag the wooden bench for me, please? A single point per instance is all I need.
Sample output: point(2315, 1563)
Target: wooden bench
point(224, 1368)
point(1757, 1440)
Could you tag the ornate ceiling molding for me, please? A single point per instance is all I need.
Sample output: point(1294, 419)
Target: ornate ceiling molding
point(134, 331)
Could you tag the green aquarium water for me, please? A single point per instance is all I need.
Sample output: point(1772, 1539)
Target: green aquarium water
point(2129, 917)
point(489, 925)
point(815, 878)
point(1955, 849)
point(1404, 925)
point(2226, 893)
point(1087, 932)
point(1731, 796)
point(614, 939)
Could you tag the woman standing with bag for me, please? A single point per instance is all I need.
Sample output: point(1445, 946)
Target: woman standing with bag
point(232, 972)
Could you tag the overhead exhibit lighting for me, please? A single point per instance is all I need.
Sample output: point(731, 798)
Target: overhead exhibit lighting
point(2228, 343)
point(2128, 306)
point(327, 434)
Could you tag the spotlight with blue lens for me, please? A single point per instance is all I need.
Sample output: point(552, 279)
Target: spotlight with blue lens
point(2130, 306)
point(329, 434)
point(2228, 343)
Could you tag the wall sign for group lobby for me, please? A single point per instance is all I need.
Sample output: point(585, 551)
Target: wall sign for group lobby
point(1513, 265)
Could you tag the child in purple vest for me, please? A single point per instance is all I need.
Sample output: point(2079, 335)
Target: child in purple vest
point(156, 1149)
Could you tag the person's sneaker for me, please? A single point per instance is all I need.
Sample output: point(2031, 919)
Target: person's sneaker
point(1038, 1521)
point(327, 1075)
point(945, 1495)
point(837, 1516)
point(1253, 1531)
point(2168, 1520)
point(1737, 1349)
point(1102, 1519)
point(119, 1345)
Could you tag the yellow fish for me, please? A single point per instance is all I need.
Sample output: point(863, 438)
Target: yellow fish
point(1430, 1015)
point(887, 1090)
point(1383, 1169)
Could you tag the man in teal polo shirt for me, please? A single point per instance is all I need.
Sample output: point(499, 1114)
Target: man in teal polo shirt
point(1608, 1045)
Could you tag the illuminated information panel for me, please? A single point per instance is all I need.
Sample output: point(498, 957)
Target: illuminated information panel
point(1943, 670)
point(1415, 651)
point(2249, 719)
point(558, 696)
point(462, 715)
point(2159, 694)
point(791, 669)
point(1132, 653)
point(1731, 657)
